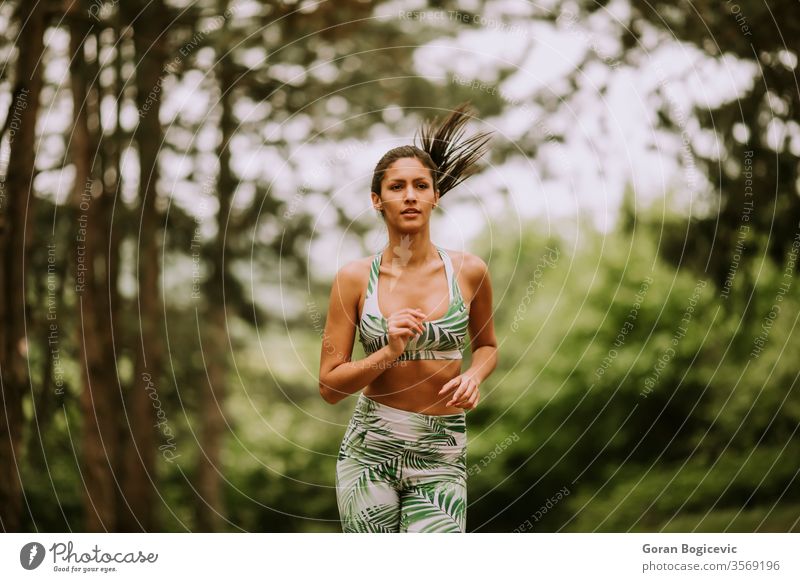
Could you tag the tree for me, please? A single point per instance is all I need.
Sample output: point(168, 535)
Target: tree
point(17, 201)
point(148, 22)
point(755, 171)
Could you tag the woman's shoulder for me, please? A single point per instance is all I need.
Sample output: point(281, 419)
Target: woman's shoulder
point(356, 271)
point(471, 266)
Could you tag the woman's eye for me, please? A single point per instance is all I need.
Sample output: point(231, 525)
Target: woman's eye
point(423, 185)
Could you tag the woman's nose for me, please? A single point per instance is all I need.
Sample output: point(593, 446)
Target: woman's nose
point(410, 193)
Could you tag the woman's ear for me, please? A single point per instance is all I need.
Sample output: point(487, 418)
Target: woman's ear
point(376, 201)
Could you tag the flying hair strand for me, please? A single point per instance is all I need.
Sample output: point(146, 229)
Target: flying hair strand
point(456, 159)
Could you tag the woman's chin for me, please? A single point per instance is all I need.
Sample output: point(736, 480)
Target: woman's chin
point(409, 228)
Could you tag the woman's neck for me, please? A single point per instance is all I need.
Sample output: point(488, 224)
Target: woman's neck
point(409, 250)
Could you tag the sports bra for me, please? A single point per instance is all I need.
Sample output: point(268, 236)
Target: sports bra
point(441, 339)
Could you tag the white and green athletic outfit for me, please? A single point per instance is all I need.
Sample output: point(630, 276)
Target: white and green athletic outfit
point(398, 470)
point(402, 471)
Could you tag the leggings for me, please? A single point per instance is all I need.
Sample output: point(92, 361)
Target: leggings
point(402, 471)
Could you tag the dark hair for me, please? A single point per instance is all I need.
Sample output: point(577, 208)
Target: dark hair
point(439, 150)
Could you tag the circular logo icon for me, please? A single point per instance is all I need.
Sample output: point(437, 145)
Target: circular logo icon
point(31, 555)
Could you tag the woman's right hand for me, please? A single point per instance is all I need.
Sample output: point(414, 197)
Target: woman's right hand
point(403, 325)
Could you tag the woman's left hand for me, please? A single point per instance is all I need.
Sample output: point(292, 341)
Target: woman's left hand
point(465, 391)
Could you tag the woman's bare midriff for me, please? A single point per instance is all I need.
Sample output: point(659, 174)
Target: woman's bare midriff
point(413, 385)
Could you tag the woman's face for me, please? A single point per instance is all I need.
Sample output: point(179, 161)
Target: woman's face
point(407, 185)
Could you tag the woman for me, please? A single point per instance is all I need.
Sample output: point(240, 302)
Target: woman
point(402, 463)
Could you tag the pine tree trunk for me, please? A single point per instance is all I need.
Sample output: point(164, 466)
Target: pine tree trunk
point(146, 18)
point(99, 401)
point(17, 204)
point(118, 229)
point(210, 507)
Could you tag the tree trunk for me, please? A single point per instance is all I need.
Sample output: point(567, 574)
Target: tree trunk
point(113, 185)
point(17, 204)
point(210, 510)
point(147, 395)
point(99, 402)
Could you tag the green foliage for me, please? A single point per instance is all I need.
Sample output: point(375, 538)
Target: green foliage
point(708, 440)
point(604, 436)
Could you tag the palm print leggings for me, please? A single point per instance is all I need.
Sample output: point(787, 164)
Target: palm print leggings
point(402, 471)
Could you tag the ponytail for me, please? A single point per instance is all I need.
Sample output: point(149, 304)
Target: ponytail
point(455, 159)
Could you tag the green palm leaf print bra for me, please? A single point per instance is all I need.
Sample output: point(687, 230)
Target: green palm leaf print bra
point(441, 339)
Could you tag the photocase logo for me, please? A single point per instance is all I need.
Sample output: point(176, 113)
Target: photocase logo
point(31, 555)
point(403, 253)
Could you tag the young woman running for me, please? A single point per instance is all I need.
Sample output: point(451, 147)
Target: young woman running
point(402, 462)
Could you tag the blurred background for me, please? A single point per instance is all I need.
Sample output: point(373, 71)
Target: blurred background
point(181, 181)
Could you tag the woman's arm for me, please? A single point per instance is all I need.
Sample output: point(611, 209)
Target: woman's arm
point(483, 341)
point(338, 376)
